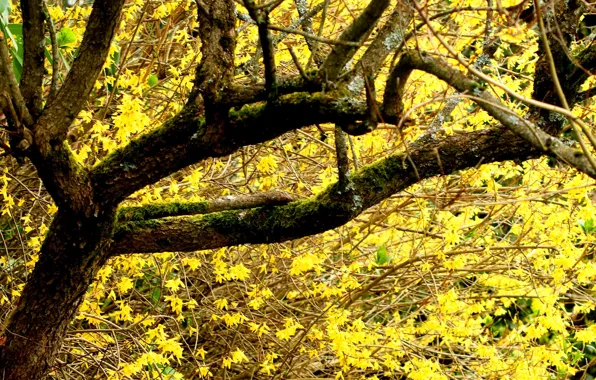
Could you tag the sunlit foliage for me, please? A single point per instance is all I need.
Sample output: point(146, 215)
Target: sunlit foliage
point(486, 273)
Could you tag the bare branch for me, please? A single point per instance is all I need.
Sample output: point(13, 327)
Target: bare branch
point(215, 72)
point(238, 95)
point(187, 139)
point(528, 131)
point(58, 115)
point(395, 87)
point(314, 37)
point(261, 17)
point(358, 31)
point(302, 8)
point(11, 85)
point(343, 164)
point(569, 70)
point(66, 180)
point(239, 202)
point(277, 39)
point(483, 59)
point(389, 37)
point(33, 46)
point(326, 211)
point(297, 63)
point(55, 54)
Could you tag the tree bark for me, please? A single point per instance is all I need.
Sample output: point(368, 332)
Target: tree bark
point(71, 255)
point(80, 238)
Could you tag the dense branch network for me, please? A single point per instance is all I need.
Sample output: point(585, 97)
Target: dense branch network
point(193, 136)
point(222, 115)
point(209, 125)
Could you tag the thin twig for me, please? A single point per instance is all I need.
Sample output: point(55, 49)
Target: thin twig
point(314, 37)
point(341, 151)
point(55, 53)
point(262, 19)
point(123, 62)
point(297, 63)
point(319, 34)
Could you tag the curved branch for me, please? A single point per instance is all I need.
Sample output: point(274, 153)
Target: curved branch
point(187, 139)
point(328, 210)
point(563, 26)
point(58, 115)
point(528, 131)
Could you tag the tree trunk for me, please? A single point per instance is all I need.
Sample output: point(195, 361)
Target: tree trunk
point(72, 253)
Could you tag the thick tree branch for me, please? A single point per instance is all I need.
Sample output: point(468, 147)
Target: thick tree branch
point(65, 179)
point(528, 131)
point(236, 95)
point(237, 202)
point(216, 70)
point(343, 164)
point(58, 115)
point(389, 37)
point(187, 139)
point(326, 211)
point(394, 88)
point(33, 45)
point(358, 31)
point(571, 76)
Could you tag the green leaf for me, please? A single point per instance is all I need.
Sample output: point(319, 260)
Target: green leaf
point(156, 295)
point(4, 28)
point(15, 33)
point(589, 226)
point(152, 80)
point(18, 50)
point(382, 256)
point(4, 11)
point(168, 371)
point(65, 37)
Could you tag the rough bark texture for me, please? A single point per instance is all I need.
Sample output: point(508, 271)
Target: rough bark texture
point(219, 118)
point(33, 37)
point(71, 255)
point(328, 210)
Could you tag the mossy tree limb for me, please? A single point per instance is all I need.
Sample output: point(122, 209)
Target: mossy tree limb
point(493, 106)
point(187, 139)
point(329, 209)
point(237, 202)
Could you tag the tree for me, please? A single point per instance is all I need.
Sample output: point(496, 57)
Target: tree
point(357, 79)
